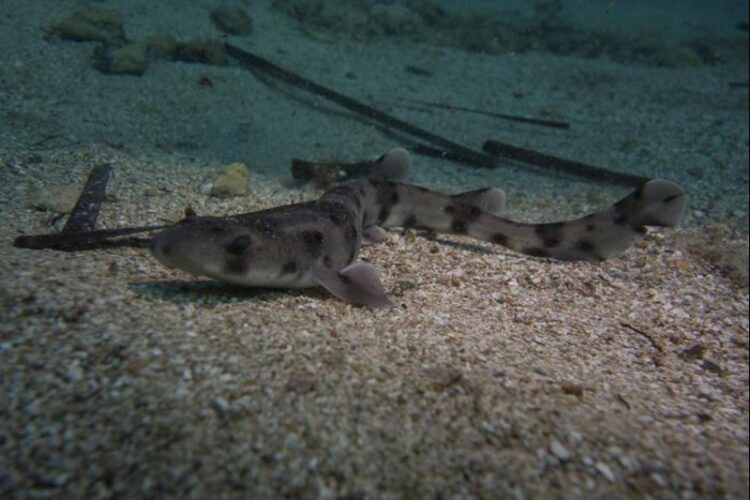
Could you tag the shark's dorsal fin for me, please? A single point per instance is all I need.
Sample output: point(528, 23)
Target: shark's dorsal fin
point(490, 200)
point(394, 165)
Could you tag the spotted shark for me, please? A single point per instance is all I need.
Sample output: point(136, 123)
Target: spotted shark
point(317, 243)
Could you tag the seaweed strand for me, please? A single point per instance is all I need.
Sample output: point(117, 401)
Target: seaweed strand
point(253, 61)
point(560, 164)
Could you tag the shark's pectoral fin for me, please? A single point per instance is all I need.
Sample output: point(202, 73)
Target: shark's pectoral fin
point(373, 234)
point(357, 284)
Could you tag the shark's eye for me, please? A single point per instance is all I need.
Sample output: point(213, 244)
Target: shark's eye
point(239, 245)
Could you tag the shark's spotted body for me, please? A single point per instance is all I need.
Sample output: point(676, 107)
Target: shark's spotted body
point(317, 243)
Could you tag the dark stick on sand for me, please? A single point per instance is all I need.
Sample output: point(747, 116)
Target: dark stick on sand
point(560, 164)
point(255, 62)
point(503, 116)
point(86, 240)
point(84, 214)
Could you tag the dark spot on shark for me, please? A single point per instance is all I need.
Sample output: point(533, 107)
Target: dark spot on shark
point(590, 227)
point(500, 239)
point(586, 246)
point(313, 241)
point(620, 220)
point(459, 226)
point(384, 213)
point(290, 267)
point(327, 262)
point(411, 221)
point(550, 234)
point(239, 245)
point(450, 210)
point(385, 192)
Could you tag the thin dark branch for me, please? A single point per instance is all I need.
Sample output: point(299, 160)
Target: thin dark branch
point(258, 63)
point(87, 240)
point(503, 116)
point(644, 334)
point(560, 164)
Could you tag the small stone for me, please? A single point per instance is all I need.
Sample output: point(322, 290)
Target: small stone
point(221, 406)
point(201, 51)
point(163, 44)
point(130, 59)
point(301, 383)
point(682, 265)
point(293, 442)
point(93, 23)
point(605, 471)
point(572, 388)
point(559, 450)
point(232, 19)
point(442, 377)
point(659, 480)
point(233, 182)
point(697, 351)
point(74, 372)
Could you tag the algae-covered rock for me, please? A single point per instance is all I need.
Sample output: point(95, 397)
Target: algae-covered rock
point(233, 182)
point(395, 19)
point(93, 23)
point(232, 19)
point(162, 44)
point(131, 59)
point(201, 51)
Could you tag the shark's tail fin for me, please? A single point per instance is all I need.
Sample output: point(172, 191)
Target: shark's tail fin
point(656, 203)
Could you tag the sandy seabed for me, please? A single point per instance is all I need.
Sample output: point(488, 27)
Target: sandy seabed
point(496, 375)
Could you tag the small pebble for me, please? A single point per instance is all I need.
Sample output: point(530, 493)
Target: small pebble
point(559, 450)
point(605, 471)
point(221, 406)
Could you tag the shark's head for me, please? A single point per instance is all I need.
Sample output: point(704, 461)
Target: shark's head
point(225, 250)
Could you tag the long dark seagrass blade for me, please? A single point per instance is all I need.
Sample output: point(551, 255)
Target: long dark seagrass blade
point(446, 148)
point(79, 233)
point(86, 211)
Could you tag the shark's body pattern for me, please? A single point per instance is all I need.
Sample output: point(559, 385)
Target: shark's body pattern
point(317, 243)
